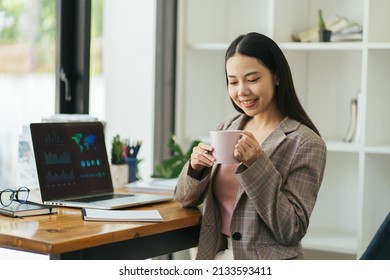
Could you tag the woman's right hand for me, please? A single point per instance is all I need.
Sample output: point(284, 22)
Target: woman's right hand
point(202, 157)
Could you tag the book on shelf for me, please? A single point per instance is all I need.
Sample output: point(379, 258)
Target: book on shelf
point(352, 37)
point(342, 30)
point(351, 133)
point(17, 210)
point(351, 32)
point(89, 214)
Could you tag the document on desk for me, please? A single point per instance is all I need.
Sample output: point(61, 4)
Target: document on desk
point(89, 214)
point(153, 185)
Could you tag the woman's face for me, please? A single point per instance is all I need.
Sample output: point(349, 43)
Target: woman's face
point(251, 85)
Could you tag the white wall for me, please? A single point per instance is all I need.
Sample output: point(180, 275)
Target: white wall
point(21, 96)
point(129, 70)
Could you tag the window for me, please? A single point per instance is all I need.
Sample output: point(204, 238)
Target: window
point(28, 70)
point(27, 63)
point(96, 92)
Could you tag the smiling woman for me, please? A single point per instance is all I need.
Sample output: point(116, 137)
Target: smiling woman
point(258, 207)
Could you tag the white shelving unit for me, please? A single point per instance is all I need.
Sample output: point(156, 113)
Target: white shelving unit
point(355, 194)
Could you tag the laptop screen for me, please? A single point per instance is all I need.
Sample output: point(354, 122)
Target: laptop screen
point(71, 159)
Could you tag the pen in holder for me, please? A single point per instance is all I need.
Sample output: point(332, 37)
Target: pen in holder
point(131, 158)
point(132, 162)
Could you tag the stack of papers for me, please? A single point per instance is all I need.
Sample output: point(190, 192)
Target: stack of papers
point(121, 215)
point(342, 30)
point(70, 118)
point(153, 185)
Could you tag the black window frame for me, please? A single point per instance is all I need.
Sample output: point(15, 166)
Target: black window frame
point(73, 64)
point(73, 56)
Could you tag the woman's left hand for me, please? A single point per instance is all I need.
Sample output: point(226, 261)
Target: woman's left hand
point(247, 149)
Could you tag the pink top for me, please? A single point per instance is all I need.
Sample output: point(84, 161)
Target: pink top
point(225, 190)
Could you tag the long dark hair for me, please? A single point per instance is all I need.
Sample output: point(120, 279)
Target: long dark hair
point(271, 56)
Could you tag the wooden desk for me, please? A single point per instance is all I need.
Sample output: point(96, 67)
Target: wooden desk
point(66, 236)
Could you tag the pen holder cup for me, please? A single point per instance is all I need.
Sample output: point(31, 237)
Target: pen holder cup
point(132, 163)
point(119, 174)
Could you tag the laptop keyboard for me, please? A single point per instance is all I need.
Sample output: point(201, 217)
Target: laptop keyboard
point(101, 197)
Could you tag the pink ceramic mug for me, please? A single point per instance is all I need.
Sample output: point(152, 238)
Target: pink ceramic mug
point(223, 142)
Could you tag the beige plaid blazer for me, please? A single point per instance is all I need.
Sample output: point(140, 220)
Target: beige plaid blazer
point(275, 200)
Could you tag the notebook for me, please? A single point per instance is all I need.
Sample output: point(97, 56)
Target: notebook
point(17, 210)
point(73, 168)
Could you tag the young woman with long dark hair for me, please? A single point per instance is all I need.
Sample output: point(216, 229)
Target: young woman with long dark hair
point(260, 207)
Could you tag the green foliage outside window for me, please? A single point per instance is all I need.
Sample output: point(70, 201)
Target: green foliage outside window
point(10, 13)
point(21, 32)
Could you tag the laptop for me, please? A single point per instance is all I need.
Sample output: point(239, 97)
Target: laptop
point(73, 168)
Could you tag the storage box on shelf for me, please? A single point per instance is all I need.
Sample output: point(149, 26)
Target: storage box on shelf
point(353, 199)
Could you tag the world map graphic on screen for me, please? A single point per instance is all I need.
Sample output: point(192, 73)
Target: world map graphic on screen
point(85, 142)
